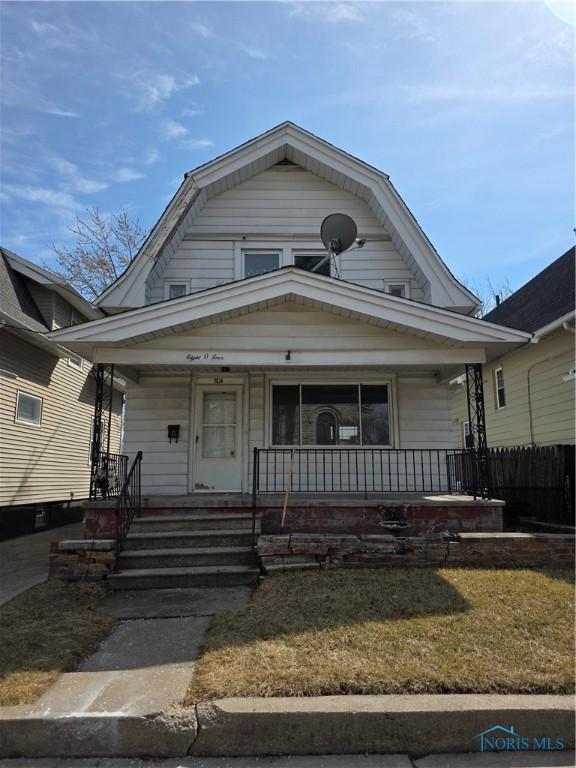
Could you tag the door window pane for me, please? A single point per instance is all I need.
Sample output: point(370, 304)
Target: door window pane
point(309, 261)
point(258, 263)
point(219, 408)
point(218, 442)
point(341, 401)
point(375, 415)
point(285, 415)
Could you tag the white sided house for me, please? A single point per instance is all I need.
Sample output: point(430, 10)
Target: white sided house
point(230, 342)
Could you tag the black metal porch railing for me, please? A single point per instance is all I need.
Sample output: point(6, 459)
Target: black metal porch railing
point(110, 475)
point(365, 471)
point(129, 503)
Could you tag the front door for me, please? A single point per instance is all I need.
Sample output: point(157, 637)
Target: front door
point(218, 447)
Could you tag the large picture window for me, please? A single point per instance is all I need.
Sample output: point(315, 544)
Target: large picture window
point(330, 414)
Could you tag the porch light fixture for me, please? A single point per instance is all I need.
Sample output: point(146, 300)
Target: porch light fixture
point(288, 355)
point(173, 432)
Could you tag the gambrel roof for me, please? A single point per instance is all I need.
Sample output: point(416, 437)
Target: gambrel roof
point(288, 141)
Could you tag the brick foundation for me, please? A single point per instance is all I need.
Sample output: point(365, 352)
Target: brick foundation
point(421, 519)
point(81, 560)
point(501, 550)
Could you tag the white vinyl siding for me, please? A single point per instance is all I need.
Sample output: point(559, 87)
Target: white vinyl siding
point(283, 206)
point(151, 405)
point(47, 462)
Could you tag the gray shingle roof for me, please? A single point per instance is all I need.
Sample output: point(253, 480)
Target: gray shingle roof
point(16, 302)
point(542, 300)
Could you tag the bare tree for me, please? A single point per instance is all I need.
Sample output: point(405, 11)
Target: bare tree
point(103, 249)
point(489, 293)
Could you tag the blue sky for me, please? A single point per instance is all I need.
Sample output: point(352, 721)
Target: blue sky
point(468, 107)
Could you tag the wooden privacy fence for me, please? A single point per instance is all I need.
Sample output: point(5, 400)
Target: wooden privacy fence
point(536, 482)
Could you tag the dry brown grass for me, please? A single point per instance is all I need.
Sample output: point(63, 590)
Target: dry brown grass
point(44, 632)
point(394, 631)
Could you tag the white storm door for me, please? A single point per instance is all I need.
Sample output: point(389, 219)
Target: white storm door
point(218, 452)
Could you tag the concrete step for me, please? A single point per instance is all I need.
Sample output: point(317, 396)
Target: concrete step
point(205, 576)
point(188, 539)
point(186, 557)
point(193, 522)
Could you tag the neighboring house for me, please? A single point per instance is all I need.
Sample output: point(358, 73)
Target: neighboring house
point(529, 391)
point(46, 390)
point(227, 337)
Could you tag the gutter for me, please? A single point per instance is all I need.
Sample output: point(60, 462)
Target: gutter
point(561, 322)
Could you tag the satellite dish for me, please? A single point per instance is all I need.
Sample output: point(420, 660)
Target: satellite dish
point(338, 232)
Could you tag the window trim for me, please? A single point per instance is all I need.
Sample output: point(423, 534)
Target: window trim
point(38, 423)
point(388, 382)
point(404, 283)
point(168, 283)
point(497, 389)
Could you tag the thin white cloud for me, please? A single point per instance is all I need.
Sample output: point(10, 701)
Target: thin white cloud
point(202, 143)
point(153, 90)
point(52, 36)
point(53, 198)
point(202, 29)
point(414, 25)
point(73, 179)
point(333, 13)
point(253, 53)
point(174, 130)
point(152, 156)
point(192, 112)
point(512, 93)
point(124, 175)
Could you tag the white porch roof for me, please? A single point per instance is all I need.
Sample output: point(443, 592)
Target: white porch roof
point(430, 335)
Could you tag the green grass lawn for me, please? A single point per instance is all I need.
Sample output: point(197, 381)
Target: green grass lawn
point(46, 631)
point(394, 631)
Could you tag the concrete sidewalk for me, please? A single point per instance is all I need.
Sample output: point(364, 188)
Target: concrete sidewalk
point(24, 560)
point(487, 760)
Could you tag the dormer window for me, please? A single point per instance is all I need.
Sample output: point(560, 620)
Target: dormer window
point(398, 288)
point(258, 262)
point(319, 263)
point(175, 290)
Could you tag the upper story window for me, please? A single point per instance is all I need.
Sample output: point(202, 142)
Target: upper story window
point(313, 262)
point(398, 288)
point(176, 289)
point(258, 262)
point(257, 258)
point(28, 409)
point(499, 389)
point(75, 361)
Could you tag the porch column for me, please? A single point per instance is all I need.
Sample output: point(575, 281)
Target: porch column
point(477, 421)
point(103, 397)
